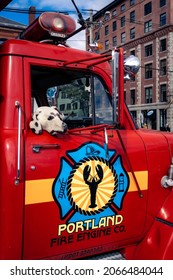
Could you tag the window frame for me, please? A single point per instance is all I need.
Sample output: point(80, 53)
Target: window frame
point(123, 38)
point(148, 71)
point(132, 33)
point(106, 30)
point(114, 13)
point(163, 93)
point(113, 41)
point(149, 50)
point(148, 26)
point(163, 19)
point(106, 44)
point(148, 8)
point(162, 3)
point(123, 20)
point(114, 25)
point(163, 45)
point(132, 2)
point(132, 97)
point(148, 95)
point(163, 67)
point(132, 16)
point(123, 7)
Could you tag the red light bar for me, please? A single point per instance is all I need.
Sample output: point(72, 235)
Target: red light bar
point(48, 25)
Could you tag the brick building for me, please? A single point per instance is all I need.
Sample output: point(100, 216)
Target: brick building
point(143, 28)
point(10, 29)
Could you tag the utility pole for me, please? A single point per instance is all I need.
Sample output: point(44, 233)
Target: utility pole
point(91, 26)
point(32, 12)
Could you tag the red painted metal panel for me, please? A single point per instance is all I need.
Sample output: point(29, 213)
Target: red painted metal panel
point(11, 196)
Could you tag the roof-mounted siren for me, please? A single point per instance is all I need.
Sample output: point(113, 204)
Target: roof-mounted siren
point(49, 25)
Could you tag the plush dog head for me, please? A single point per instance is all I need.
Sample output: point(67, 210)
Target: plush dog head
point(49, 119)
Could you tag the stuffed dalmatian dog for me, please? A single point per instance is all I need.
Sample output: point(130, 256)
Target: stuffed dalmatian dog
point(49, 119)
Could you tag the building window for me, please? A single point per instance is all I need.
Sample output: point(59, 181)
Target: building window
point(106, 30)
point(114, 13)
point(114, 41)
point(132, 52)
point(148, 8)
point(133, 114)
point(123, 21)
point(163, 97)
point(132, 16)
point(148, 50)
point(106, 17)
point(132, 33)
point(88, 40)
point(132, 79)
point(123, 7)
point(162, 19)
point(75, 106)
point(114, 26)
point(62, 107)
point(132, 2)
point(125, 95)
point(63, 95)
point(68, 106)
point(148, 95)
point(123, 38)
point(163, 45)
point(132, 96)
point(162, 3)
point(97, 35)
point(148, 26)
point(163, 67)
point(163, 118)
point(106, 44)
point(148, 71)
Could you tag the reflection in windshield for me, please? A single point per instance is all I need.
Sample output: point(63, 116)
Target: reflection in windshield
point(82, 98)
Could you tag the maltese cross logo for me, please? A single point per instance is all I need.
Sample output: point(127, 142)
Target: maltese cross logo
point(92, 186)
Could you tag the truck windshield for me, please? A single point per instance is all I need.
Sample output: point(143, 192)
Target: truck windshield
point(83, 98)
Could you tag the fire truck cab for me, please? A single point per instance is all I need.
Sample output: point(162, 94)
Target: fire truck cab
point(102, 186)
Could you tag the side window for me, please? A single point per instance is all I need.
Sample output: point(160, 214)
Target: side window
point(81, 97)
point(103, 107)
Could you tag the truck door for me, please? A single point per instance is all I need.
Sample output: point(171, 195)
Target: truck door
point(86, 188)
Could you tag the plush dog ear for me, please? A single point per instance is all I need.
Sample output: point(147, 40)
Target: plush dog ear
point(36, 127)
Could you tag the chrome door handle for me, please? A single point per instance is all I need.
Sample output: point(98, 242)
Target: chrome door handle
point(18, 106)
point(36, 148)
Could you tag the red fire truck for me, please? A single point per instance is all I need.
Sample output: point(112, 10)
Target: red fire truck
point(103, 186)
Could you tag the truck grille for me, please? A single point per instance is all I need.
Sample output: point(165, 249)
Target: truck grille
point(107, 256)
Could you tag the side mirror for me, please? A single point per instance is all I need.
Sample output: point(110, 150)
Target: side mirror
point(131, 67)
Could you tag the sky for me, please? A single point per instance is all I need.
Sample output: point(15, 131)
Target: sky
point(77, 41)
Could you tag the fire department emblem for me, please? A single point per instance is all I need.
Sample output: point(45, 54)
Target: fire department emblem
point(92, 186)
